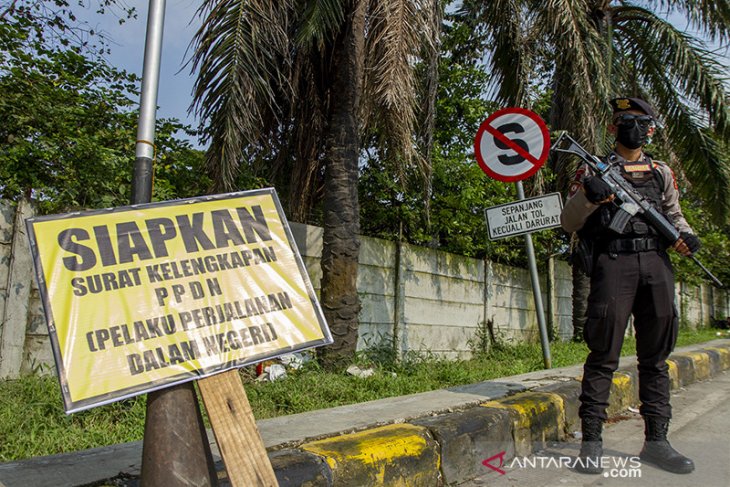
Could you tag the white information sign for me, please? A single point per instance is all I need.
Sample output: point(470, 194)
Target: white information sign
point(524, 216)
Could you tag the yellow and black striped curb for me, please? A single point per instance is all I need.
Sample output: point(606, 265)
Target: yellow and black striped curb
point(450, 448)
point(537, 417)
point(397, 454)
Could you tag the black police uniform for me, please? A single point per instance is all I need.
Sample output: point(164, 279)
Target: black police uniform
point(631, 274)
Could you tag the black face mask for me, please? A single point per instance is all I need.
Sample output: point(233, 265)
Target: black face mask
point(632, 135)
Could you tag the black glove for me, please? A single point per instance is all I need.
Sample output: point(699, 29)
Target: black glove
point(691, 240)
point(596, 189)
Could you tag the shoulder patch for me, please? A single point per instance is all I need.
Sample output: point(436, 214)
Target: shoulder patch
point(674, 179)
point(664, 165)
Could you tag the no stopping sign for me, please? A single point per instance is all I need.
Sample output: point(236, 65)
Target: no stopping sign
point(512, 144)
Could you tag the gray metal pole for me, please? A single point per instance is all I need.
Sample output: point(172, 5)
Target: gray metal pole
point(175, 451)
point(145, 147)
point(532, 264)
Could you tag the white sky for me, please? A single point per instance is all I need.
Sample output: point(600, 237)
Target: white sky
point(127, 50)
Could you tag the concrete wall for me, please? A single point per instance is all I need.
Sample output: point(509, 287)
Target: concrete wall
point(24, 344)
point(443, 300)
point(435, 301)
point(425, 299)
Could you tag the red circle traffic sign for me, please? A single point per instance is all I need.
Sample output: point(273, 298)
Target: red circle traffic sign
point(512, 144)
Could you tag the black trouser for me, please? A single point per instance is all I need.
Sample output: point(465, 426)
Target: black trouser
point(641, 283)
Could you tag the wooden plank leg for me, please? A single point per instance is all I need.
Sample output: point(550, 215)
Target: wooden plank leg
point(239, 441)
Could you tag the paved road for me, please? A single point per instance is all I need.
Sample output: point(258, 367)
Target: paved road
point(700, 429)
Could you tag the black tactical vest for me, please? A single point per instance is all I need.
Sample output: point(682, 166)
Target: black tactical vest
point(648, 182)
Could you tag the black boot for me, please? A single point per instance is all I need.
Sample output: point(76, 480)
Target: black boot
point(657, 449)
point(591, 448)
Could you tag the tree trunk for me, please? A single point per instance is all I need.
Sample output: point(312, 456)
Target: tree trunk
point(562, 117)
point(427, 138)
point(341, 247)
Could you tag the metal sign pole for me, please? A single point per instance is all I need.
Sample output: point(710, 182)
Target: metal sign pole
point(511, 145)
point(532, 264)
point(145, 147)
point(176, 451)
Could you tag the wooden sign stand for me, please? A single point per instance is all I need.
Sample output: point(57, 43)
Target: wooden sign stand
point(239, 441)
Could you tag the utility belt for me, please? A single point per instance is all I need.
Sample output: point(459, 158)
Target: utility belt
point(631, 245)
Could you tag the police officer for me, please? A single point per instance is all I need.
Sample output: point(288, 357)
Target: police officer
point(631, 274)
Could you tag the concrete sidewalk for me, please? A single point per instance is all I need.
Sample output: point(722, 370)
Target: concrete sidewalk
point(432, 438)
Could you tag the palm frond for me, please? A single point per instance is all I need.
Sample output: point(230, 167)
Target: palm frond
point(428, 113)
point(319, 21)
point(581, 81)
point(705, 164)
point(711, 17)
point(698, 156)
point(685, 135)
point(509, 59)
point(396, 34)
point(241, 56)
point(301, 163)
point(654, 44)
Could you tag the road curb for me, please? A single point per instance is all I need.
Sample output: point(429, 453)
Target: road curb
point(517, 425)
point(537, 417)
point(466, 438)
point(398, 454)
point(443, 447)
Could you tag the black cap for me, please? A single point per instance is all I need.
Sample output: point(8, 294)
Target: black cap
point(622, 104)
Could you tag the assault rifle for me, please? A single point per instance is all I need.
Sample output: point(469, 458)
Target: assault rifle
point(628, 200)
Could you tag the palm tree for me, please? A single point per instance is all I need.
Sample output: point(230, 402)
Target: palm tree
point(292, 85)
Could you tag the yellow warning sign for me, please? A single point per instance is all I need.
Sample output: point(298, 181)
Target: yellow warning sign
point(139, 298)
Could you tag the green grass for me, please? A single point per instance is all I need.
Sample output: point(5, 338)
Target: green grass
point(32, 421)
